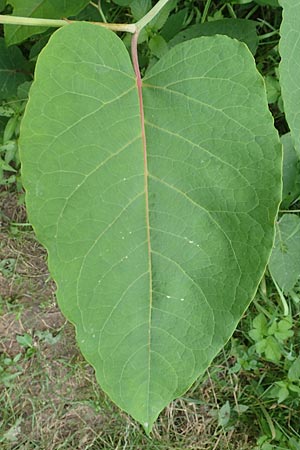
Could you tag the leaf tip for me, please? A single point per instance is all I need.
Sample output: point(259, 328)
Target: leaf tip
point(147, 427)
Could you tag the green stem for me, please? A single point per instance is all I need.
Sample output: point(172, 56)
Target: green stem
point(205, 12)
point(99, 8)
point(268, 35)
point(252, 11)
point(101, 11)
point(127, 27)
point(283, 300)
point(231, 11)
point(140, 24)
point(30, 21)
point(289, 211)
point(34, 22)
point(261, 309)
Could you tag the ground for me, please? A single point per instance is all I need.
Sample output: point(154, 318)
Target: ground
point(49, 396)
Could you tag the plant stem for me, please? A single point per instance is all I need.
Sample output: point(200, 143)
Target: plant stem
point(231, 11)
point(30, 21)
point(99, 8)
point(205, 12)
point(268, 35)
point(127, 27)
point(283, 300)
point(101, 11)
point(140, 24)
point(289, 210)
point(252, 11)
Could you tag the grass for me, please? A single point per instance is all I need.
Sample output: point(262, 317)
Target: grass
point(50, 399)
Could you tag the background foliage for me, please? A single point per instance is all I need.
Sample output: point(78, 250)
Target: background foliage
point(250, 398)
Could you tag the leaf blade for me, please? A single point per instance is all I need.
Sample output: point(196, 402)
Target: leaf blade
point(99, 250)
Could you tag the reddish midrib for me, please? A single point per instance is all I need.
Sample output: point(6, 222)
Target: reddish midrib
point(143, 135)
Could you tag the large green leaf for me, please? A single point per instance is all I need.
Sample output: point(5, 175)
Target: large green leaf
point(284, 263)
point(13, 70)
point(48, 9)
point(155, 263)
point(289, 47)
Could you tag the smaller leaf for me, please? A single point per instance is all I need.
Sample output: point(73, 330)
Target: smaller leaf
point(10, 128)
point(7, 266)
point(5, 166)
point(174, 24)
point(37, 47)
point(241, 408)
point(48, 337)
point(240, 29)
point(294, 444)
point(273, 328)
point(139, 8)
point(273, 88)
point(23, 90)
point(268, 446)
point(260, 346)
point(283, 394)
point(25, 340)
point(260, 323)
point(272, 349)
point(285, 324)
point(283, 335)
point(12, 70)
point(259, 328)
point(255, 335)
point(158, 22)
point(294, 388)
point(294, 371)
point(48, 9)
point(10, 148)
point(6, 111)
point(291, 172)
point(158, 46)
point(224, 414)
point(284, 331)
point(284, 264)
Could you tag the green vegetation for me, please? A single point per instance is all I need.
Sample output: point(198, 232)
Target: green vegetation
point(250, 396)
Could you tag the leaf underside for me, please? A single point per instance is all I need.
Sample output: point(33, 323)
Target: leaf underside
point(150, 316)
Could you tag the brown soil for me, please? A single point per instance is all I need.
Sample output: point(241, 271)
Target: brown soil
point(43, 402)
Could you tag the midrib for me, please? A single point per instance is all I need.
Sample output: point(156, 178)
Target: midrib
point(146, 190)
